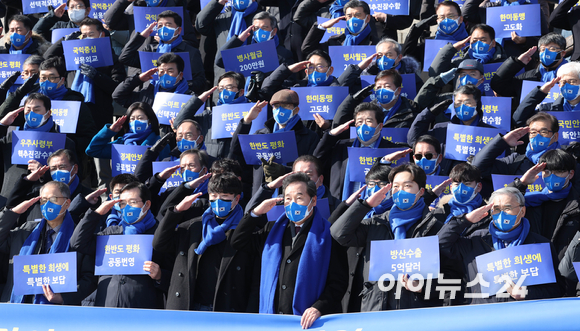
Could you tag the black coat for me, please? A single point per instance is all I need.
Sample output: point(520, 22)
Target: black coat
point(314, 36)
point(125, 95)
point(566, 16)
point(532, 104)
point(443, 60)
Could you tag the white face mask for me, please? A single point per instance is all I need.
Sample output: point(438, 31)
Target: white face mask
point(76, 15)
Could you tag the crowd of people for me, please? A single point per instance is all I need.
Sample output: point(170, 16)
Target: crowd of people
point(220, 242)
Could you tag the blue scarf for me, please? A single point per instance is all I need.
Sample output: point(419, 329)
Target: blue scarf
point(73, 185)
point(393, 109)
point(166, 48)
point(535, 156)
point(459, 209)
point(568, 107)
point(403, 220)
point(548, 75)
point(289, 125)
point(181, 88)
point(202, 187)
point(140, 227)
point(131, 138)
point(381, 208)
point(84, 85)
point(515, 3)
point(336, 10)
point(43, 128)
point(352, 40)
point(114, 218)
point(482, 58)
point(13, 50)
point(241, 99)
point(214, 233)
point(312, 268)
point(457, 35)
point(58, 94)
point(534, 199)
point(347, 187)
point(238, 24)
point(327, 82)
point(515, 237)
point(320, 192)
point(60, 245)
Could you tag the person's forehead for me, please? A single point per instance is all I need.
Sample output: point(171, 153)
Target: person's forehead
point(16, 24)
point(49, 190)
point(403, 177)
point(479, 33)
point(540, 124)
point(75, 3)
point(35, 103)
point(118, 187)
point(58, 160)
point(295, 188)
point(464, 97)
point(137, 112)
point(30, 66)
point(165, 20)
point(189, 158)
point(568, 76)
point(444, 10)
point(386, 47)
point(365, 114)
point(130, 194)
point(505, 199)
point(470, 71)
point(263, 22)
point(353, 10)
point(167, 66)
point(186, 127)
point(424, 147)
point(303, 166)
point(48, 71)
point(227, 81)
point(316, 59)
point(88, 28)
point(386, 80)
point(550, 44)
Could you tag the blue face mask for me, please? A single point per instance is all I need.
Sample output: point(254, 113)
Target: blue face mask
point(152, 3)
point(463, 193)
point(185, 144)
point(365, 132)
point(50, 211)
point(296, 212)
point(548, 57)
point(570, 92)
point(131, 214)
point(355, 25)
point(427, 165)
point(539, 143)
point(138, 126)
point(404, 200)
point(221, 208)
point(62, 176)
point(449, 26)
point(282, 115)
point(555, 183)
point(468, 80)
point(33, 119)
point(503, 221)
point(385, 95)
point(17, 39)
point(167, 82)
point(241, 5)
point(189, 175)
point(385, 63)
point(317, 78)
point(166, 33)
point(48, 87)
point(261, 35)
point(228, 96)
point(479, 47)
point(465, 112)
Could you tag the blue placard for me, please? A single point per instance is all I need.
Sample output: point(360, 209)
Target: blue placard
point(278, 210)
point(149, 61)
point(463, 141)
point(524, 20)
point(534, 261)
point(360, 160)
point(432, 48)
point(11, 63)
point(392, 7)
point(57, 34)
point(123, 254)
point(394, 135)
point(94, 52)
point(323, 100)
point(174, 181)
point(225, 119)
point(569, 126)
point(342, 56)
point(144, 16)
point(528, 86)
point(66, 115)
point(433, 181)
point(576, 264)
point(405, 256)
point(336, 30)
point(124, 158)
point(38, 6)
point(58, 270)
point(34, 145)
point(497, 112)
point(99, 8)
point(281, 145)
point(489, 71)
point(408, 87)
point(245, 59)
point(459, 2)
point(501, 181)
point(167, 105)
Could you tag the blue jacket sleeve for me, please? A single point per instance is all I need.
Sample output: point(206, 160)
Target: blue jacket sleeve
point(100, 145)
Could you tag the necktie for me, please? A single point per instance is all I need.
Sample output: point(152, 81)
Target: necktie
point(297, 228)
point(48, 242)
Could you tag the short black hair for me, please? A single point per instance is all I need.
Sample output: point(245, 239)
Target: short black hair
point(470, 89)
point(301, 177)
point(558, 160)
point(379, 172)
point(87, 3)
point(485, 28)
point(465, 172)
point(397, 78)
point(428, 139)
point(144, 192)
point(226, 165)
point(171, 14)
point(322, 54)
point(201, 155)
point(171, 58)
point(417, 172)
point(27, 22)
point(309, 159)
point(553, 37)
point(71, 157)
point(39, 96)
point(239, 78)
point(148, 110)
point(358, 3)
point(55, 62)
point(368, 106)
point(122, 179)
point(92, 21)
point(226, 183)
point(542, 116)
point(448, 3)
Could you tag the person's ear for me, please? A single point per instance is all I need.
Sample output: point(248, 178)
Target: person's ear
point(380, 127)
point(368, 18)
point(330, 70)
point(478, 187)
point(87, 11)
point(146, 206)
point(296, 110)
point(440, 158)
point(74, 170)
point(492, 45)
point(201, 137)
point(241, 92)
point(314, 198)
point(180, 76)
point(398, 91)
point(420, 193)
point(571, 174)
point(460, 20)
point(67, 202)
point(274, 31)
point(60, 83)
point(554, 137)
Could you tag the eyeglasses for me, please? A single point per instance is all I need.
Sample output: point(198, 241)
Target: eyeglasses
point(543, 132)
point(51, 199)
point(497, 210)
point(53, 79)
point(381, 184)
point(551, 49)
point(428, 156)
point(123, 203)
point(451, 17)
point(77, 7)
point(319, 68)
point(227, 87)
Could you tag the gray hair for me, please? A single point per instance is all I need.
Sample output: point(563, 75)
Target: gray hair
point(62, 187)
point(33, 59)
point(553, 37)
point(265, 15)
point(570, 68)
point(398, 48)
point(509, 191)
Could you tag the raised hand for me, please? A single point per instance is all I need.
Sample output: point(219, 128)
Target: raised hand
point(437, 190)
point(461, 44)
point(266, 206)
point(395, 156)
point(378, 197)
point(148, 75)
point(36, 174)
point(357, 194)
point(526, 56)
point(367, 62)
point(513, 137)
point(148, 30)
point(11, 116)
point(479, 213)
point(533, 173)
point(199, 180)
point(341, 128)
point(93, 197)
point(254, 111)
point(23, 206)
point(59, 11)
point(330, 23)
point(247, 32)
point(118, 125)
point(205, 95)
point(166, 173)
point(297, 67)
point(186, 203)
point(547, 87)
point(105, 207)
